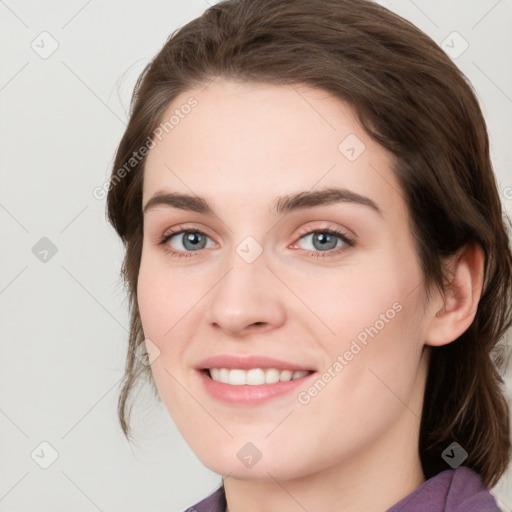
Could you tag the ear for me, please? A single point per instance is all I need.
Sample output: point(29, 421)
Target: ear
point(453, 311)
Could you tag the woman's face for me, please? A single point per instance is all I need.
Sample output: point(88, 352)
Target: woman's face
point(286, 240)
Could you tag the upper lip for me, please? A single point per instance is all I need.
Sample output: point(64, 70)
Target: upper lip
point(248, 362)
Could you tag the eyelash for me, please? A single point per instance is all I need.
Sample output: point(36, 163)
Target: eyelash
point(349, 242)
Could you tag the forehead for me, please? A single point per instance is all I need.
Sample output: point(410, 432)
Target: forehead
point(256, 140)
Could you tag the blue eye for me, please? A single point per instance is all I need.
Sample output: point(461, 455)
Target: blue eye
point(319, 243)
point(324, 243)
point(186, 241)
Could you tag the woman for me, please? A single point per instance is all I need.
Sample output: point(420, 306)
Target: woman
point(317, 261)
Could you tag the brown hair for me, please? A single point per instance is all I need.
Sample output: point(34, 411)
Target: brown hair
point(415, 102)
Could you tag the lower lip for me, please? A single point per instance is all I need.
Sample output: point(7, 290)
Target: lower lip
point(246, 394)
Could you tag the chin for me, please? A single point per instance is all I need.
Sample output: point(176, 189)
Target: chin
point(237, 463)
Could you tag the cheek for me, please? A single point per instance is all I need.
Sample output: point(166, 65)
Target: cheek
point(344, 301)
point(151, 298)
point(373, 367)
point(163, 306)
point(368, 319)
point(169, 301)
point(165, 298)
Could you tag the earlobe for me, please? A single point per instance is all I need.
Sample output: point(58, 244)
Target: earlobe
point(460, 297)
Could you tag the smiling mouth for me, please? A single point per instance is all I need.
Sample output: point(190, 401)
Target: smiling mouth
point(254, 376)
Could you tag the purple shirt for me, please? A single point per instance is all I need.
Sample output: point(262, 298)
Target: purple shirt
point(453, 490)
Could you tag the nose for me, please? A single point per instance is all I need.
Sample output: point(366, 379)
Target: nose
point(247, 299)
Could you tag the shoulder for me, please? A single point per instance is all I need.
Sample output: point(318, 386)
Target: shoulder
point(459, 490)
point(215, 502)
point(468, 493)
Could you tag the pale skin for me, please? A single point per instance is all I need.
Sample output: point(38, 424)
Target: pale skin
point(354, 446)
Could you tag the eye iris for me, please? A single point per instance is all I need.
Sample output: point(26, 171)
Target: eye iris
point(324, 241)
point(194, 241)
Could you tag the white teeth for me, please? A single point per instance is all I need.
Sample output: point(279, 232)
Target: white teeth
point(254, 376)
point(271, 376)
point(285, 375)
point(224, 375)
point(237, 377)
point(215, 374)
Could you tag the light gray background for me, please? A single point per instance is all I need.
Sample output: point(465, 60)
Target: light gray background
point(64, 321)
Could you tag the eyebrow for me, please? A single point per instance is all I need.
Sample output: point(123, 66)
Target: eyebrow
point(282, 205)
